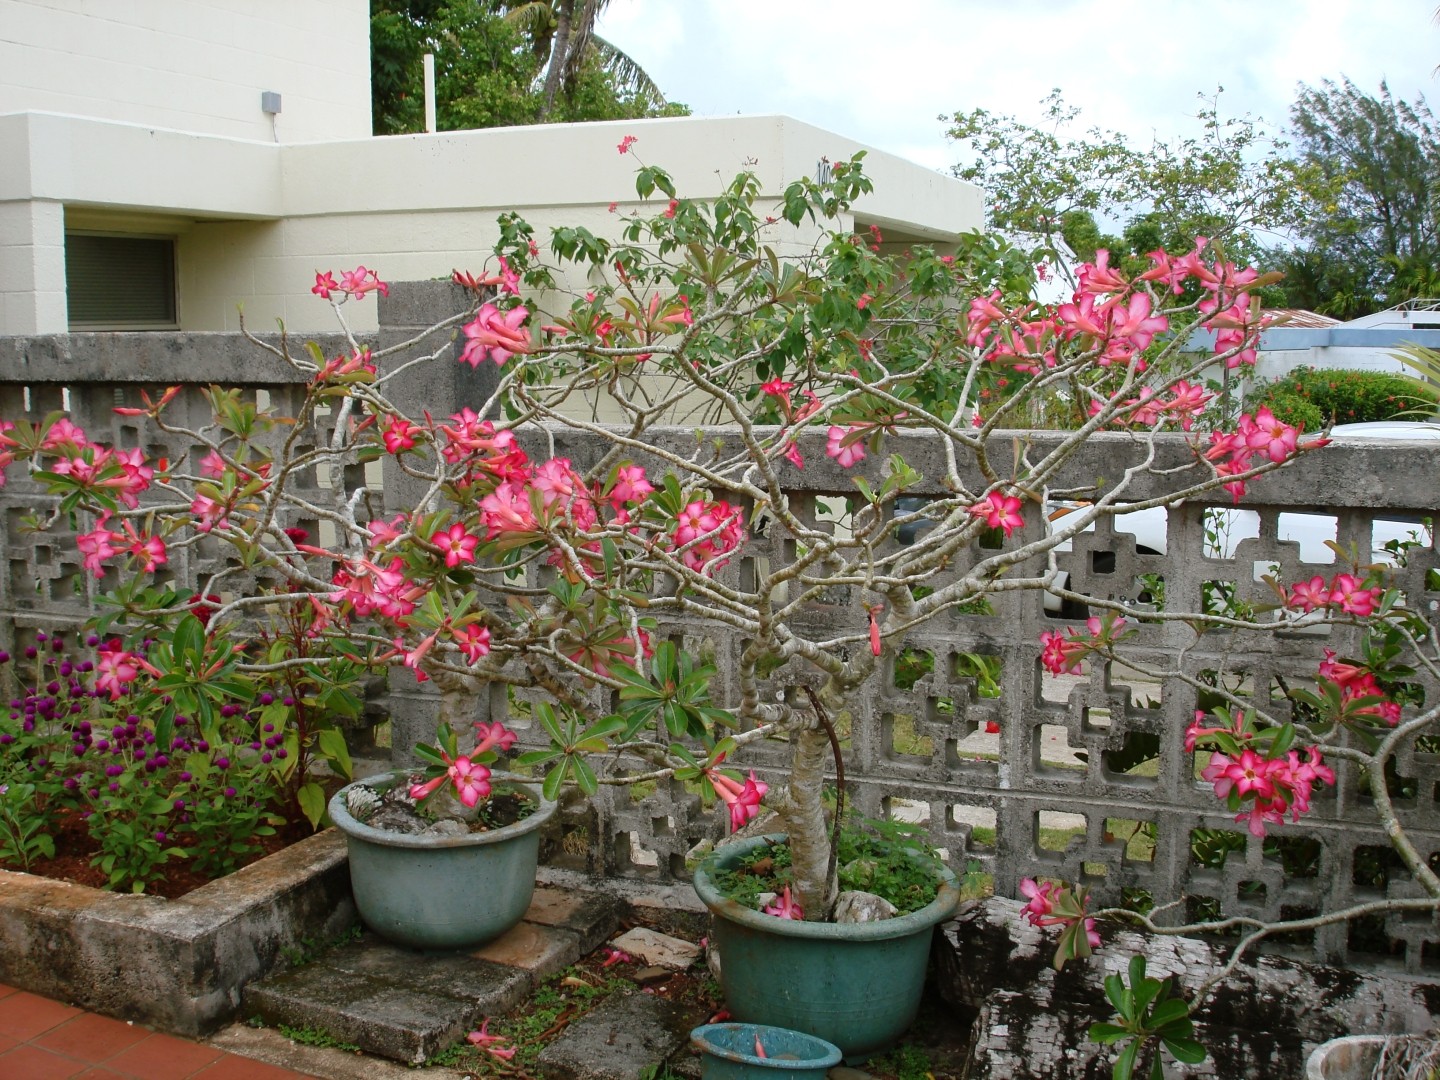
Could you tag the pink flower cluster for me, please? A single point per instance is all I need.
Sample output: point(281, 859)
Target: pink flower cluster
point(1273, 785)
point(353, 283)
point(706, 532)
point(1262, 787)
point(1061, 653)
point(1261, 435)
point(469, 776)
point(496, 335)
point(1344, 592)
point(1357, 683)
point(1116, 318)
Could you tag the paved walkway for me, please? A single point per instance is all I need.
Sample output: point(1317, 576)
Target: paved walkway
point(42, 1039)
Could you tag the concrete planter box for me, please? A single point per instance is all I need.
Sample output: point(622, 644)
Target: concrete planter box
point(177, 964)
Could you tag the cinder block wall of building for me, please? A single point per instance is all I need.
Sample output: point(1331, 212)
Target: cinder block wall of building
point(192, 65)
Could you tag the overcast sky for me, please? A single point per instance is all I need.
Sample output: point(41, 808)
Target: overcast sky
point(881, 72)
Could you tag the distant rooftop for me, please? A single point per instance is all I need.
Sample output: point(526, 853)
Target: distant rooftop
point(1289, 316)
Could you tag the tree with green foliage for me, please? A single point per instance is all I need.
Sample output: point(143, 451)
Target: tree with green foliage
point(1373, 236)
point(1233, 183)
point(492, 67)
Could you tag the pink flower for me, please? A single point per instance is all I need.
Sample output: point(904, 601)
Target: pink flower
point(1269, 436)
point(507, 509)
point(457, 544)
point(210, 513)
point(96, 547)
point(398, 435)
point(1000, 512)
point(471, 780)
point(495, 335)
point(743, 799)
point(474, 641)
point(670, 210)
point(1040, 901)
point(1347, 593)
point(625, 144)
point(482, 1038)
point(213, 466)
point(1309, 595)
point(491, 735)
point(845, 445)
point(630, 486)
point(864, 301)
point(115, 668)
point(785, 907)
point(1059, 654)
point(324, 285)
point(360, 281)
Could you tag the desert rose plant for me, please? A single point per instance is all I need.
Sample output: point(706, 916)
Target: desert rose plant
point(520, 567)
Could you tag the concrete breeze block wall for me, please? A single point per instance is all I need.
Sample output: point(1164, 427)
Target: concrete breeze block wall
point(1050, 793)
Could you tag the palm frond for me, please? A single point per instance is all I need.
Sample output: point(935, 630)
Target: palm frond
point(629, 76)
point(1425, 363)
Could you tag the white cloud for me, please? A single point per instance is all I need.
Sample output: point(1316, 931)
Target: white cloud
point(881, 73)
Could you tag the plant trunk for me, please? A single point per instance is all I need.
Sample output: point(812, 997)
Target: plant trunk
point(803, 815)
point(559, 54)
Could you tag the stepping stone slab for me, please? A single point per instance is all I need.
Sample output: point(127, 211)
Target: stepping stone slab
point(408, 1005)
point(619, 1039)
point(401, 1005)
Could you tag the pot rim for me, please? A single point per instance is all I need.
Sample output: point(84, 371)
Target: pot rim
point(937, 911)
point(346, 823)
point(701, 1037)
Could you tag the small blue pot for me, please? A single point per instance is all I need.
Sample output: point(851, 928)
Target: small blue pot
point(728, 1053)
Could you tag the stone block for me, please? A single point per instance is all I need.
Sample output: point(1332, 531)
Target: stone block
point(533, 948)
point(177, 964)
point(591, 916)
point(621, 1038)
point(1033, 1021)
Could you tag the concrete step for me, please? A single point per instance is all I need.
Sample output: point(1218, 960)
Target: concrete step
point(409, 1005)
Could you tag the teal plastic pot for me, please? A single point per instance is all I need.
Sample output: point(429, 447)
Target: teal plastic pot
point(857, 985)
point(727, 1052)
point(442, 892)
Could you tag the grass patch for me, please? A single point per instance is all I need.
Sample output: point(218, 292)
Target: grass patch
point(308, 1036)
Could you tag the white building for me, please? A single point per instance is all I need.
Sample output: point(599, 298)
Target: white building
point(164, 161)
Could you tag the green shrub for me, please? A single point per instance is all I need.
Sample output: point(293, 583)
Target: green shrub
point(1317, 396)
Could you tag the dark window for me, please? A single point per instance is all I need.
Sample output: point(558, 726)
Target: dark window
point(114, 282)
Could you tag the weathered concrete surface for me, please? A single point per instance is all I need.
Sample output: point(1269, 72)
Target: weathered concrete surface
point(408, 1006)
point(1033, 1021)
point(177, 964)
point(619, 1039)
point(328, 1063)
point(401, 1005)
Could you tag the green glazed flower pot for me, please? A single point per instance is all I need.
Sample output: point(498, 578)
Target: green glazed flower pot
point(727, 1052)
point(856, 985)
point(442, 892)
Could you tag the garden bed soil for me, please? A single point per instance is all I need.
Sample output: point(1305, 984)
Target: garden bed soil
point(75, 848)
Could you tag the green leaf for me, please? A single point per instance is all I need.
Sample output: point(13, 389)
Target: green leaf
point(1187, 1050)
point(332, 745)
point(555, 779)
point(311, 798)
point(1125, 1063)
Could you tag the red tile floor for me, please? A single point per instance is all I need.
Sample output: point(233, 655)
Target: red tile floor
point(42, 1039)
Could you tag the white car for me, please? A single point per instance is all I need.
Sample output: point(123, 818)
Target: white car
point(1310, 531)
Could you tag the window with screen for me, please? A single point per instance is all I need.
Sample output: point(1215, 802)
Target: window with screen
point(120, 282)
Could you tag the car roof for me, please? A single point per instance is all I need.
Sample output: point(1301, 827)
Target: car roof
point(1387, 429)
